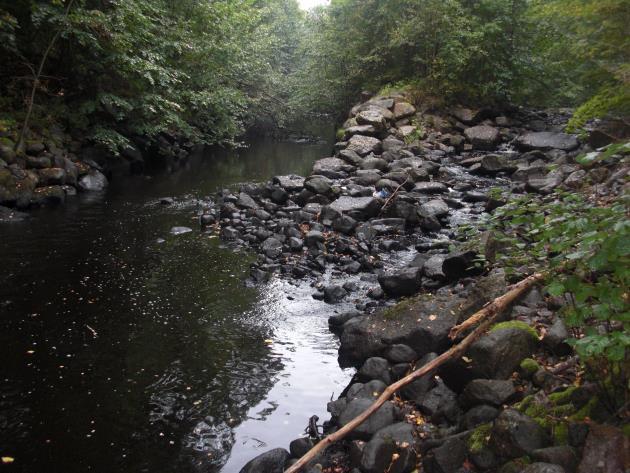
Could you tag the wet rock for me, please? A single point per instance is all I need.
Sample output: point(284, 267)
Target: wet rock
point(400, 353)
point(401, 282)
point(493, 163)
point(272, 247)
point(391, 450)
point(167, 201)
point(447, 458)
point(487, 391)
point(299, 447)
point(546, 140)
point(576, 179)
point(364, 145)
point(375, 368)
point(483, 137)
point(180, 230)
point(337, 320)
point(33, 162)
point(543, 468)
point(10, 215)
point(295, 244)
point(514, 435)
point(272, 461)
point(383, 417)
point(93, 181)
point(440, 404)
point(318, 184)
point(229, 233)
point(432, 187)
point(479, 415)
point(334, 294)
point(366, 130)
point(562, 455)
point(467, 115)
point(392, 144)
point(35, 148)
point(52, 176)
point(403, 110)
point(607, 450)
point(546, 184)
point(49, 195)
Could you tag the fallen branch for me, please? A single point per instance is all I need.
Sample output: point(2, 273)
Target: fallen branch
point(393, 195)
point(498, 304)
point(485, 317)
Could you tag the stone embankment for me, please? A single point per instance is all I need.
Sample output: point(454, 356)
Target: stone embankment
point(382, 219)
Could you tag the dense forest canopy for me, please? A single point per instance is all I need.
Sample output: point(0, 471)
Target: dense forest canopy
point(208, 70)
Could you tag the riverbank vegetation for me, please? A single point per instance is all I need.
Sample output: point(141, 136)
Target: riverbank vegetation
point(208, 71)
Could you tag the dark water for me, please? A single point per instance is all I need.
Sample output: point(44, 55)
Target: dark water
point(122, 354)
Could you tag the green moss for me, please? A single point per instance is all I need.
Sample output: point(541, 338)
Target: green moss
point(562, 397)
point(396, 310)
point(479, 438)
point(626, 429)
point(560, 433)
point(529, 366)
point(608, 101)
point(341, 133)
point(515, 324)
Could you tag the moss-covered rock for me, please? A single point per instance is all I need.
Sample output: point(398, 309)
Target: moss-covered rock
point(480, 438)
point(517, 324)
point(528, 367)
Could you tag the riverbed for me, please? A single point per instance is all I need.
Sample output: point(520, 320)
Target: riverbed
point(128, 349)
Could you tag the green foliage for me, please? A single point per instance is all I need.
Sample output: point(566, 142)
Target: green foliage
point(610, 101)
point(202, 70)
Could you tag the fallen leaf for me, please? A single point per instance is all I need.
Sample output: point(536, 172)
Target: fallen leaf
point(8, 460)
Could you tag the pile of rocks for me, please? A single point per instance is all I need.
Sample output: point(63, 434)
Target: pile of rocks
point(405, 179)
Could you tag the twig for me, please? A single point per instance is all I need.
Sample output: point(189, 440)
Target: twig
point(485, 316)
point(393, 195)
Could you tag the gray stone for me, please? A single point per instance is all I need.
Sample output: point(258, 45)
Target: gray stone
point(400, 353)
point(432, 187)
point(272, 247)
point(479, 415)
point(246, 202)
point(372, 162)
point(607, 450)
point(487, 391)
point(318, 184)
point(433, 267)
point(447, 458)
point(440, 404)
point(334, 294)
point(366, 207)
point(373, 118)
point(291, 183)
point(93, 181)
point(562, 455)
point(391, 450)
point(364, 145)
point(434, 208)
point(383, 417)
point(331, 167)
point(375, 368)
point(272, 461)
point(514, 435)
point(180, 230)
point(545, 140)
point(543, 468)
point(483, 137)
point(403, 110)
point(401, 282)
point(52, 176)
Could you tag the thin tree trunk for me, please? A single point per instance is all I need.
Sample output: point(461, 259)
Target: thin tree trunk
point(486, 317)
point(29, 111)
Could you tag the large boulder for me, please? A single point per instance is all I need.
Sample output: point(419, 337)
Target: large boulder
point(391, 450)
point(272, 461)
point(447, 458)
point(546, 140)
point(383, 417)
point(483, 137)
point(93, 181)
point(373, 118)
point(331, 167)
point(401, 282)
point(607, 450)
point(364, 145)
point(365, 207)
point(318, 184)
point(514, 435)
point(52, 176)
point(403, 110)
point(291, 182)
point(487, 391)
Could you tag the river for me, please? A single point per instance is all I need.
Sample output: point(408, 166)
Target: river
point(124, 353)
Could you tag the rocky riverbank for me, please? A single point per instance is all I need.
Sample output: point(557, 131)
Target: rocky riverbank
point(55, 165)
point(384, 218)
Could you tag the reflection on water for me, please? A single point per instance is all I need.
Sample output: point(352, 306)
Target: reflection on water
point(123, 354)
